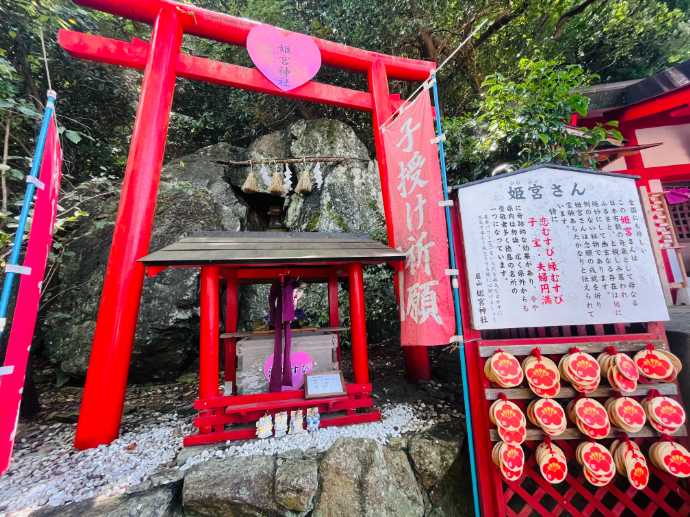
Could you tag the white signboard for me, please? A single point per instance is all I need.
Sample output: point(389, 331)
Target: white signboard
point(324, 385)
point(554, 246)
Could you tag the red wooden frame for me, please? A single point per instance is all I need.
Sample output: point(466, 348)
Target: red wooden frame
point(162, 62)
point(532, 495)
point(216, 411)
point(664, 110)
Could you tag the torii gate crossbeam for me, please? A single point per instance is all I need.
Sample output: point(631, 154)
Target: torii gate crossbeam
point(162, 62)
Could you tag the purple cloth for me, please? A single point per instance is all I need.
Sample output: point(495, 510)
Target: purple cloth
point(282, 311)
point(275, 309)
point(288, 317)
point(676, 196)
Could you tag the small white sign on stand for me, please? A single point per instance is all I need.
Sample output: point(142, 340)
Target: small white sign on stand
point(327, 384)
point(551, 246)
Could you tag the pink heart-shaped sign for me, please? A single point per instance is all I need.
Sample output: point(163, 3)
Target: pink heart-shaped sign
point(287, 59)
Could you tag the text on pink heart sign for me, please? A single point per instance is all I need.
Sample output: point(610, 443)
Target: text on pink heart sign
point(287, 59)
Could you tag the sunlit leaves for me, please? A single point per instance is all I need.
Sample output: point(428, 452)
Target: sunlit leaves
point(526, 120)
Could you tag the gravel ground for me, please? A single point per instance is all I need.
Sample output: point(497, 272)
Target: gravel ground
point(46, 470)
point(56, 474)
point(397, 420)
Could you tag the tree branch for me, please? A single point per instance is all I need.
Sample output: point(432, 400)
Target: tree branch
point(428, 45)
point(501, 22)
point(570, 13)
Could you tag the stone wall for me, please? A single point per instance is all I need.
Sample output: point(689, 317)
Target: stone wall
point(416, 476)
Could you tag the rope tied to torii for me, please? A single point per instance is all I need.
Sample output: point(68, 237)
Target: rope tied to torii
point(299, 159)
point(432, 77)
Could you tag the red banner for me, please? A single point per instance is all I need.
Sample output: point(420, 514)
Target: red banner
point(29, 294)
point(419, 225)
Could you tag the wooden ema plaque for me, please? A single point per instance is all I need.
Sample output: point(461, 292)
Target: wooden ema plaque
point(555, 333)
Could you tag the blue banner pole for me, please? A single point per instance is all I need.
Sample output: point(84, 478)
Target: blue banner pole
point(32, 181)
point(456, 300)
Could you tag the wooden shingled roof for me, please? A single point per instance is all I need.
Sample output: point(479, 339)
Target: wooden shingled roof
point(272, 248)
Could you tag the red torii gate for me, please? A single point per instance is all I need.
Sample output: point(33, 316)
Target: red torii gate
point(162, 62)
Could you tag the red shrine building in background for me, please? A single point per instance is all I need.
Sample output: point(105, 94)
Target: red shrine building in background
point(654, 117)
point(654, 110)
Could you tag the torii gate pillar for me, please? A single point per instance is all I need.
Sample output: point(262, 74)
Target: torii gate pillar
point(162, 61)
point(106, 378)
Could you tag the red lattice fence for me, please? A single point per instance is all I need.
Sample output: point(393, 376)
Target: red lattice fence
point(532, 494)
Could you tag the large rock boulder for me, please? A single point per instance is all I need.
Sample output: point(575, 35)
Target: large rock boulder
point(441, 472)
point(202, 170)
point(166, 338)
point(356, 477)
point(432, 458)
point(296, 483)
point(345, 197)
point(160, 501)
point(360, 478)
point(236, 487)
point(199, 194)
point(349, 198)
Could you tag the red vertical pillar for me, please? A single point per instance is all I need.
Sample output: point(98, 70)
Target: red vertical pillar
point(231, 315)
point(106, 379)
point(634, 160)
point(416, 358)
point(378, 86)
point(358, 324)
point(209, 305)
point(333, 315)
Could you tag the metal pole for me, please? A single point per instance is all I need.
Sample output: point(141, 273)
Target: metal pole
point(456, 301)
point(26, 206)
point(106, 379)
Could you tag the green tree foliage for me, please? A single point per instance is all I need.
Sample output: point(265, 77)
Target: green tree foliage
point(525, 121)
point(615, 39)
point(95, 103)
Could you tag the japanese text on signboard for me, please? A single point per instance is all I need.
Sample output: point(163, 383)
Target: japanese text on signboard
point(558, 247)
point(419, 225)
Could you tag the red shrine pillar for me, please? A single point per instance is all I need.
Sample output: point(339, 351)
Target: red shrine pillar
point(358, 324)
point(209, 334)
point(333, 311)
point(416, 358)
point(634, 160)
point(231, 318)
point(106, 380)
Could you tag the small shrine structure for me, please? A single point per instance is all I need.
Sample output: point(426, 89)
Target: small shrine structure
point(241, 258)
point(654, 114)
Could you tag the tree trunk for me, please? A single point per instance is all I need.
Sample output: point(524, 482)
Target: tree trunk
point(4, 167)
point(21, 53)
point(427, 47)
